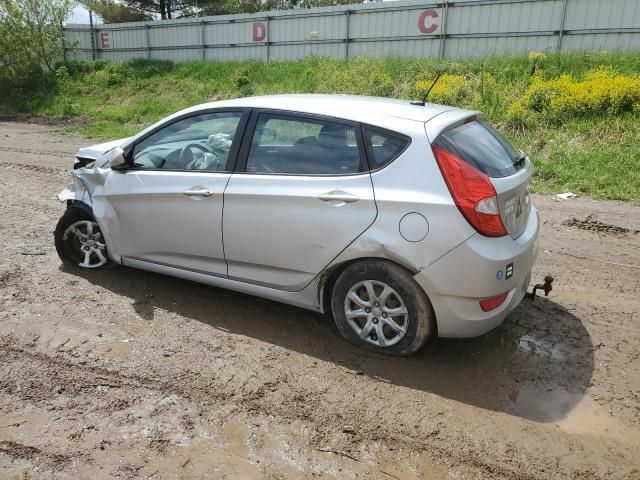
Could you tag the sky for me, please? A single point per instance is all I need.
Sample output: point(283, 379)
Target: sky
point(80, 14)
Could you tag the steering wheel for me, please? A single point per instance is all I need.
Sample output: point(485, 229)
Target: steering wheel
point(186, 155)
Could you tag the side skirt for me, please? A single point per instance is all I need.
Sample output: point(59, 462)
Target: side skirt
point(307, 298)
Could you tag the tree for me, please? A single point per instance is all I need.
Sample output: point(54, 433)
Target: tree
point(166, 9)
point(251, 6)
point(112, 11)
point(30, 37)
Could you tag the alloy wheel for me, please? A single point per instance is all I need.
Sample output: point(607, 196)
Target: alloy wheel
point(84, 239)
point(376, 312)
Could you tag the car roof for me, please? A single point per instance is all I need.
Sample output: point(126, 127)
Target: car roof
point(357, 108)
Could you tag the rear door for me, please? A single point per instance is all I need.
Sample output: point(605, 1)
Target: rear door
point(482, 147)
point(302, 194)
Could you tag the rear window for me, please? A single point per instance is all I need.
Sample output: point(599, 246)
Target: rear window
point(482, 147)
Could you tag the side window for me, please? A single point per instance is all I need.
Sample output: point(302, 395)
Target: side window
point(296, 145)
point(383, 148)
point(201, 142)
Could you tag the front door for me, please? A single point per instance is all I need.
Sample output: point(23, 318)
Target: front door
point(303, 196)
point(167, 207)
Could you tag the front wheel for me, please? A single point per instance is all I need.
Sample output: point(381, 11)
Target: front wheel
point(79, 241)
point(379, 306)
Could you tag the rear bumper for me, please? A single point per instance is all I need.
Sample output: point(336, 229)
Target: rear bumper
point(479, 269)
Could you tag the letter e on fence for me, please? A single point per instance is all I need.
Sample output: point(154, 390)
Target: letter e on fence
point(105, 40)
point(259, 31)
point(427, 23)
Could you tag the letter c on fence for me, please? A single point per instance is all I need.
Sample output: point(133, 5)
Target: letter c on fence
point(422, 22)
point(259, 32)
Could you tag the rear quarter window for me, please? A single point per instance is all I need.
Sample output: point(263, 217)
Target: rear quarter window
point(383, 147)
point(482, 147)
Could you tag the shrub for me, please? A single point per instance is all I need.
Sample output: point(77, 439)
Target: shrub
point(449, 89)
point(112, 74)
point(361, 76)
point(518, 118)
point(30, 42)
point(601, 92)
point(243, 82)
point(141, 68)
point(537, 60)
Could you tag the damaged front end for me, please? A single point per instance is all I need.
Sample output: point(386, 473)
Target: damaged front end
point(90, 169)
point(88, 155)
point(86, 192)
point(76, 191)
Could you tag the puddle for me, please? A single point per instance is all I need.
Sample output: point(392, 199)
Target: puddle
point(544, 405)
point(118, 349)
point(203, 459)
point(418, 466)
point(531, 344)
point(235, 436)
point(572, 412)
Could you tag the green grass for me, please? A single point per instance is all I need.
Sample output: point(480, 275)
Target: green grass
point(597, 155)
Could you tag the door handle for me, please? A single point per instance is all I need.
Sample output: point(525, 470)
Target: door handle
point(338, 197)
point(198, 192)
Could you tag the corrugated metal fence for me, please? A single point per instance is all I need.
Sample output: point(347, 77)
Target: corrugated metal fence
point(446, 29)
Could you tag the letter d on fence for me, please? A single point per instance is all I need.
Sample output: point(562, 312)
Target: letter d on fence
point(426, 22)
point(259, 32)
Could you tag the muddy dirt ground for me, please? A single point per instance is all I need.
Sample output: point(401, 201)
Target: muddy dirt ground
point(128, 374)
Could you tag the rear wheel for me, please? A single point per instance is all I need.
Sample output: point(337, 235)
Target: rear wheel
point(379, 306)
point(79, 240)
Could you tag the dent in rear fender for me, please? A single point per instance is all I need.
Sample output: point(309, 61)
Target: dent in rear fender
point(410, 184)
point(413, 184)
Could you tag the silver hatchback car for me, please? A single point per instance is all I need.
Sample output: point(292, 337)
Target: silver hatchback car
point(406, 221)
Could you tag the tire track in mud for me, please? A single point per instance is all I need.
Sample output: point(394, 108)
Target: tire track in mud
point(58, 172)
point(47, 371)
point(82, 377)
point(43, 153)
point(590, 224)
point(53, 461)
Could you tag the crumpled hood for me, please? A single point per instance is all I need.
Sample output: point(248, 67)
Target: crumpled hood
point(95, 151)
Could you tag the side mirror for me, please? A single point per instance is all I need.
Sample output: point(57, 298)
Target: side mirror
point(115, 158)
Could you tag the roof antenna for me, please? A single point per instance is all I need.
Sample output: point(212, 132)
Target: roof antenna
point(424, 99)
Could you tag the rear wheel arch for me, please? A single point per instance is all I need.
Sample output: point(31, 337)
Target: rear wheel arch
point(399, 319)
point(330, 276)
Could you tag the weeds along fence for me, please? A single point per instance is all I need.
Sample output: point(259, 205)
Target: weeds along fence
point(448, 29)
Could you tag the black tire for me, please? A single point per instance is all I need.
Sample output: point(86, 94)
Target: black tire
point(418, 324)
point(70, 249)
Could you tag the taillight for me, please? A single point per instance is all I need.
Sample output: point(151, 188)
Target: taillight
point(493, 303)
point(472, 192)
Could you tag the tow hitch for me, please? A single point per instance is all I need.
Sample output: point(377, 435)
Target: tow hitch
point(546, 286)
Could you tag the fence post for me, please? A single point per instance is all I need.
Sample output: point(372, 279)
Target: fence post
point(64, 43)
point(147, 37)
point(443, 28)
point(346, 34)
point(202, 40)
point(268, 38)
point(93, 36)
point(561, 31)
